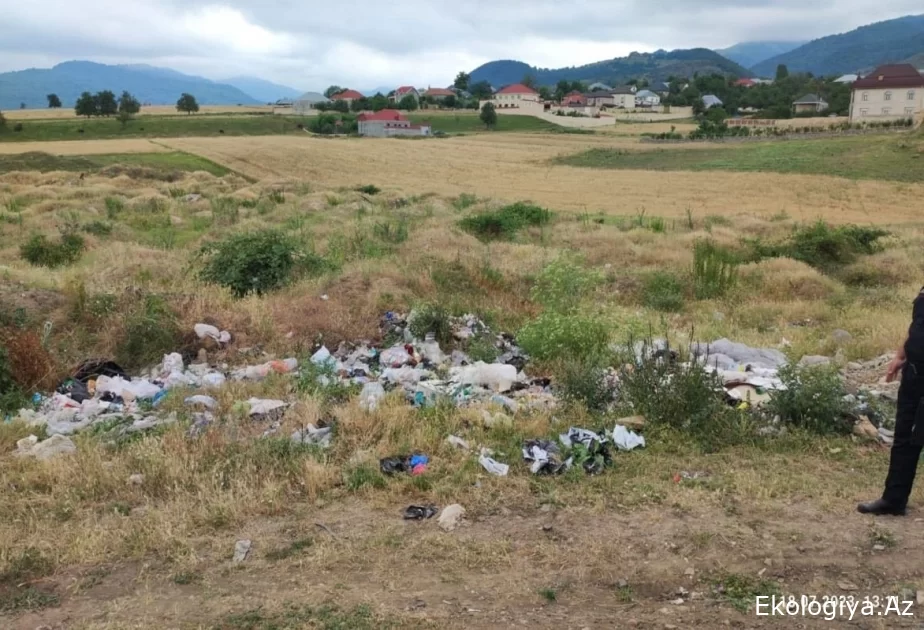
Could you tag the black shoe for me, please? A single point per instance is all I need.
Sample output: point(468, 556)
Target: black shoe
point(881, 507)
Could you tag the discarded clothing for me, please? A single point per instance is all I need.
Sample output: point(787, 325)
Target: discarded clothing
point(392, 465)
point(420, 512)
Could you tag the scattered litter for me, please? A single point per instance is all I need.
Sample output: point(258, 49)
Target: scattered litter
point(241, 549)
point(313, 435)
point(593, 454)
point(865, 429)
point(451, 517)
point(544, 457)
point(492, 466)
point(392, 465)
point(419, 512)
point(370, 396)
point(266, 409)
point(46, 449)
point(259, 372)
point(685, 475)
point(458, 442)
point(497, 377)
point(322, 356)
point(626, 440)
point(632, 422)
point(206, 401)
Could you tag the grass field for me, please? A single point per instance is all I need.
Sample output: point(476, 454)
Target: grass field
point(713, 518)
point(229, 125)
point(884, 158)
point(150, 110)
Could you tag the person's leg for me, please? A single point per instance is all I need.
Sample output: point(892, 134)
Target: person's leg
point(906, 448)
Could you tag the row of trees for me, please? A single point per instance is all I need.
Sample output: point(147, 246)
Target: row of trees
point(104, 103)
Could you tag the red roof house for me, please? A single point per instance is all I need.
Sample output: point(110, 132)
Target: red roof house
point(517, 88)
point(389, 122)
point(403, 91)
point(346, 95)
point(899, 75)
point(574, 98)
point(439, 92)
point(745, 83)
point(385, 114)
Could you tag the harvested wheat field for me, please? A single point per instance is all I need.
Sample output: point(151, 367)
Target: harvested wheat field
point(436, 298)
point(517, 166)
point(83, 147)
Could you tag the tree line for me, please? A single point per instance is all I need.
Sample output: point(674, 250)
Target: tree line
point(105, 103)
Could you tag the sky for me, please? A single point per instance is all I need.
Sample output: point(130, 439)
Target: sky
point(364, 44)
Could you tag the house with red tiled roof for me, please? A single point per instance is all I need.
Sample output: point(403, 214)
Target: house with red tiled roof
point(516, 96)
point(346, 95)
point(573, 98)
point(746, 83)
point(403, 91)
point(388, 123)
point(890, 92)
point(438, 94)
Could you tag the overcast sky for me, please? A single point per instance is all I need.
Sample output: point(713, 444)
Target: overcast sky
point(365, 44)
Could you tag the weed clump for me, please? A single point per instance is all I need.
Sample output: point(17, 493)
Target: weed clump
point(257, 262)
point(12, 397)
point(554, 336)
point(563, 283)
point(504, 223)
point(813, 399)
point(715, 270)
point(823, 246)
point(663, 291)
point(585, 382)
point(369, 189)
point(39, 251)
point(151, 331)
point(431, 318)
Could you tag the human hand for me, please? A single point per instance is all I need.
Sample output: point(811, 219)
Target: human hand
point(894, 368)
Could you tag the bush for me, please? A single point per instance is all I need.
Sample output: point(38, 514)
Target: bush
point(715, 270)
point(813, 399)
point(431, 318)
point(663, 291)
point(389, 232)
point(823, 246)
point(369, 189)
point(681, 396)
point(42, 252)
point(563, 283)
point(98, 228)
point(554, 336)
point(506, 222)
point(114, 207)
point(12, 399)
point(464, 201)
point(584, 382)
point(151, 331)
point(257, 262)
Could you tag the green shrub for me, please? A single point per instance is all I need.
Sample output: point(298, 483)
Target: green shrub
point(151, 331)
point(554, 336)
point(823, 246)
point(389, 232)
point(369, 189)
point(257, 262)
point(98, 228)
point(431, 318)
point(715, 270)
point(482, 348)
point(584, 381)
point(12, 398)
point(563, 283)
point(323, 382)
point(813, 399)
point(225, 210)
point(505, 222)
point(464, 201)
point(42, 252)
point(681, 396)
point(663, 291)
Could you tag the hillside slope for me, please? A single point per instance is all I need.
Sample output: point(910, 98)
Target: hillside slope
point(156, 86)
point(752, 53)
point(656, 66)
point(262, 90)
point(860, 49)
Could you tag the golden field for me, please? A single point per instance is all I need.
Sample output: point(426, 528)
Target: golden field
point(80, 547)
point(149, 110)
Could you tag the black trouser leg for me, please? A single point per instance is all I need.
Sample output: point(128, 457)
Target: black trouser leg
point(909, 437)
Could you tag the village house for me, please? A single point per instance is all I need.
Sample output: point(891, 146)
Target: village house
point(516, 95)
point(438, 94)
point(308, 101)
point(647, 98)
point(745, 83)
point(622, 97)
point(574, 98)
point(809, 104)
point(890, 92)
point(403, 91)
point(711, 100)
point(346, 95)
point(389, 122)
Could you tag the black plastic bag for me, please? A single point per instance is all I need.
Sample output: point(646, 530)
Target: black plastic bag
point(419, 512)
point(392, 465)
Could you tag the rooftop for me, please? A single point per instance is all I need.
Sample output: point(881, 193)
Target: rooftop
point(385, 114)
point(517, 88)
point(899, 75)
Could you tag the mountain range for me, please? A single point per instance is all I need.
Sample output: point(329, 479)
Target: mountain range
point(149, 84)
point(656, 66)
point(750, 54)
point(897, 40)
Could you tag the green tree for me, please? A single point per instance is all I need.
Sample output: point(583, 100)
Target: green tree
point(85, 105)
point(529, 80)
point(449, 102)
point(781, 72)
point(106, 103)
point(334, 89)
point(462, 81)
point(2, 121)
point(562, 88)
point(187, 103)
point(129, 104)
point(341, 106)
point(378, 102)
point(488, 115)
point(53, 101)
point(481, 90)
point(716, 115)
point(359, 104)
point(408, 103)
point(545, 93)
point(577, 86)
point(123, 117)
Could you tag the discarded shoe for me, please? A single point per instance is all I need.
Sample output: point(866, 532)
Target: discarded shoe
point(880, 507)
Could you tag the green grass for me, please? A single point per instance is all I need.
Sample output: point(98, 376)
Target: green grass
point(156, 127)
point(293, 616)
point(460, 123)
point(168, 162)
point(864, 157)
